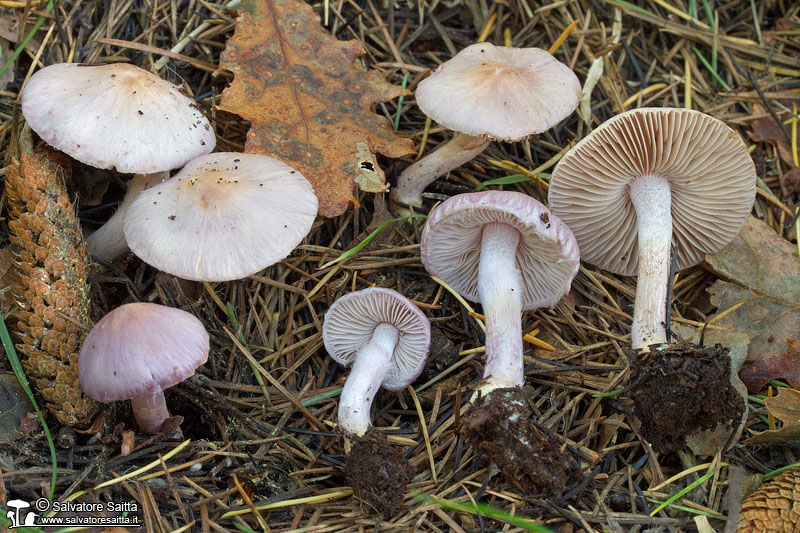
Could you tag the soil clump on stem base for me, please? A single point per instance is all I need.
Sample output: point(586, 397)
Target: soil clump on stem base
point(501, 425)
point(681, 390)
point(378, 473)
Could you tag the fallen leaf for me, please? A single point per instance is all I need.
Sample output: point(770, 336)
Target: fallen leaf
point(14, 406)
point(761, 268)
point(785, 406)
point(790, 181)
point(773, 366)
point(308, 101)
point(765, 129)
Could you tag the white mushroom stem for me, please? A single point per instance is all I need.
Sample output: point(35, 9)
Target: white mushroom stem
point(108, 241)
point(651, 198)
point(500, 290)
point(150, 411)
point(454, 153)
point(372, 363)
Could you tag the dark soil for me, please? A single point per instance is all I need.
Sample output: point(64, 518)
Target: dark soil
point(378, 473)
point(681, 390)
point(502, 426)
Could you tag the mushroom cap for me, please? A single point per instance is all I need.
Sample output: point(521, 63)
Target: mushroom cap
point(116, 115)
point(138, 349)
point(711, 176)
point(503, 93)
point(351, 319)
point(224, 216)
point(547, 254)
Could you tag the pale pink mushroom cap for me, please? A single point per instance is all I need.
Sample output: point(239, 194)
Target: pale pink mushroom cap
point(547, 254)
point(712, 181)
point(351, 320)
point(224, 216)
point(500, 92)
point(116, 116)
point(140, 349)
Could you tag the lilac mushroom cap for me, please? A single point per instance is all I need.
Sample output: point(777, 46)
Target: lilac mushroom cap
point(500, 92)
point(385, 337)
point(648, 180)
point(224, 216)
point(138, 350)
point(507, 251)
point(487, 93)
point(116, 116)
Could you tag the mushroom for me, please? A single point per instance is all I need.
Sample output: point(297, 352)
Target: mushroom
point(116, 116)
point(648, 180)
point(138, 350)
point(505, 250)
point(385, 337)
point(224, 216)
point(487, 92)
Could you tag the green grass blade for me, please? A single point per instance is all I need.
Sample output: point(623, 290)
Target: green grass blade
point(683, 491)
point(505, 180)
point(362, 244)
point(21, 46)
point(711, 70)
point(485, 510)
point(13, 359)
point(623, 3)
point(321, 397)
point(779, 471)
point(400, 103)
point(609, 394)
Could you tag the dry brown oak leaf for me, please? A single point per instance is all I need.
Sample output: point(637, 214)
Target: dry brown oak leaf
point(773, 366)
point(761, 272)
point(774, 508)
point(53, 295)
point(308, 101)
point(785, 406)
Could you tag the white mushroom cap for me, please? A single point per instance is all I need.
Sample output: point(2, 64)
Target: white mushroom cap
point(504, 93)
point(117, 116)
point(547, 255)
point(351, 319)
point(711, 177)
point(224, 216)
point(140, 349)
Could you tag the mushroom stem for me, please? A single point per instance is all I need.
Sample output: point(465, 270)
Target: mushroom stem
point(651, 198)
point(150, 411)
point(500, 289)
point(108, 241)
point(369, 368)
point(454, 153)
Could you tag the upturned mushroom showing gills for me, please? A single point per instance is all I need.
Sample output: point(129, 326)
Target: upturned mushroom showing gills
point(487, 93)
point(644, 182)
point(116, 116)
point(138, 350)
point(508, 252)
point(223, 217)
point(385, 337)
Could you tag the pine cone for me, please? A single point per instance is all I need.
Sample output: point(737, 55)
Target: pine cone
point(54, 301)
point(775, 507)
